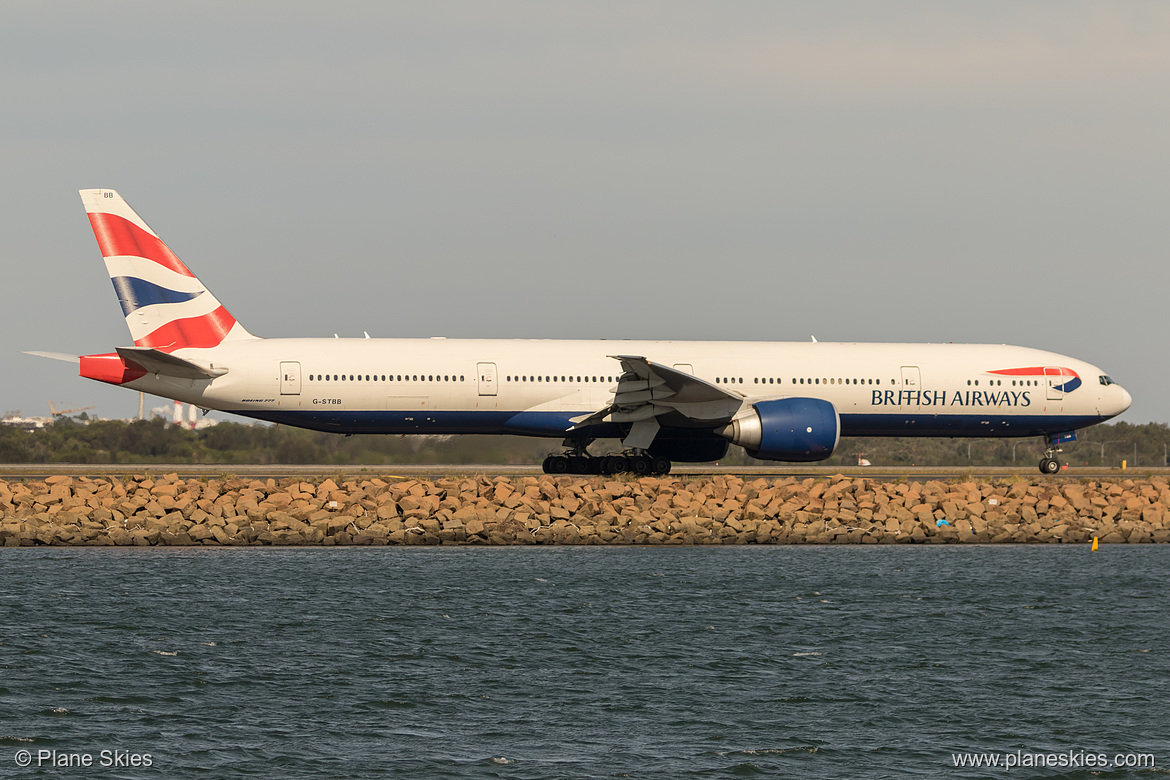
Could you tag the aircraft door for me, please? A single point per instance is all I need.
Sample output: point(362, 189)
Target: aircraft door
point(290, 378)
point(487, 378)
point(1054, 382)
point(686, 368)
point(911, 383)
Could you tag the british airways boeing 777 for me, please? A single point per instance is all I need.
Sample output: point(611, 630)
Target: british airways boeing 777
point(666, 400)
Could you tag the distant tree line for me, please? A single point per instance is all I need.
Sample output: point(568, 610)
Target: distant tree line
point(1102, 445)
point(157, 441)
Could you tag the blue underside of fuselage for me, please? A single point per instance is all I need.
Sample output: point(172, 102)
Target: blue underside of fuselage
point(556, 424)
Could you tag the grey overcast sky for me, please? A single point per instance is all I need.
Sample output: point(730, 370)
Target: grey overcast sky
point(858, 171)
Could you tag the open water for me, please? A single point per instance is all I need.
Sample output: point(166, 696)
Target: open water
point(583, 662)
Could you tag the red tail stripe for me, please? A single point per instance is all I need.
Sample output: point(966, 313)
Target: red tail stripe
point(207, 330)
point(119, 236)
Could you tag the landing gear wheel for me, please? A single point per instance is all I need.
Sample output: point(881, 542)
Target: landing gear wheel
point(661, 466)
point(579, 464)
point(614, 464)
point(1050, 466)
point(641, 464)
point(556, 464)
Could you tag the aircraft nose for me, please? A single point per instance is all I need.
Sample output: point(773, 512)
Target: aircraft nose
point(1126, 399)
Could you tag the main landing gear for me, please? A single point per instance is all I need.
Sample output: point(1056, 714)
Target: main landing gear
point(1049, 464)
point(578, 461)
point(632, 462)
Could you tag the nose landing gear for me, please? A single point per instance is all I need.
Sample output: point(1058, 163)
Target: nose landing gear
point(1049, 464)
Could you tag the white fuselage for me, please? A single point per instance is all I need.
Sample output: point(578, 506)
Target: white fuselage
point(538, 387)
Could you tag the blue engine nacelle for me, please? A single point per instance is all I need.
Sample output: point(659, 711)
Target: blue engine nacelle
point(792, 429)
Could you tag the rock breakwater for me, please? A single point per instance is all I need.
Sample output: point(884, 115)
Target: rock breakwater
point(166, 510)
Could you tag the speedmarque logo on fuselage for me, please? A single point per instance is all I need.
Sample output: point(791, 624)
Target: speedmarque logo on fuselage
point(1069, 380)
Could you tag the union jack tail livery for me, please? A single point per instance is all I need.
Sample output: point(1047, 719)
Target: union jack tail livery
point(166, 307)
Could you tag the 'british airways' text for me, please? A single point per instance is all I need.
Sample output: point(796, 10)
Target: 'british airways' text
point(951, 398)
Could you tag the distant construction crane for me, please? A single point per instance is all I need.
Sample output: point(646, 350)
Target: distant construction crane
point(61, 412)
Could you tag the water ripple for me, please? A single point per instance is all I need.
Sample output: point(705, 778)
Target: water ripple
point(584, 662)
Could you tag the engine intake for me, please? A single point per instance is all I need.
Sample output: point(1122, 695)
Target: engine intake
point(791, 429)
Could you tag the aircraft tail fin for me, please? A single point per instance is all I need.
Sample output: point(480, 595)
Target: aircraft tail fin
point(166, 306)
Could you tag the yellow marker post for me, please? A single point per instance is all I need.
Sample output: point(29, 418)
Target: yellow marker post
point(1094, 543)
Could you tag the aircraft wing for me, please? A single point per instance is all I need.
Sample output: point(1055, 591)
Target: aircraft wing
point(648, 390)
point(155, 362)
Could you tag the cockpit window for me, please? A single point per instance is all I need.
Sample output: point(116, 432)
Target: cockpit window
point(1105, 380)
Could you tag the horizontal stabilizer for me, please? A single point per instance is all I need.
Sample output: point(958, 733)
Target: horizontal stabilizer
point(56, 356)
point(155, 362)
